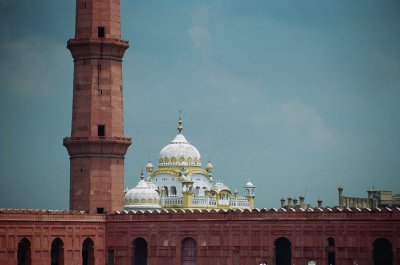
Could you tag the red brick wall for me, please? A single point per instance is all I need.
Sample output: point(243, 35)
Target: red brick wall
point(221, 237)
point(41, 228)
point(248, 238)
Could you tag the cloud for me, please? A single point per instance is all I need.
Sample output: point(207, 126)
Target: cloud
point(198, 32)
point(297, 122)
point(233, 88)
point(303, 120)
point(25, 65)
point(202, 13)
point(200, 37)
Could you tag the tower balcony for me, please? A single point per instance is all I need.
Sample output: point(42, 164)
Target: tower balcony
point(97, 48)
point(100, 146)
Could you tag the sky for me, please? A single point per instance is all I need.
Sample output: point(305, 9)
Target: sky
point(300, 97)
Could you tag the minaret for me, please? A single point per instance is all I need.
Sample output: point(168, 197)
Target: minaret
point(249, 187)
point(97, 145)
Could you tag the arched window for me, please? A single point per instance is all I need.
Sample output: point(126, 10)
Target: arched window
point(382, 252)
point(24, 252)
point(330, 242)
point(57, 252)
point(197, 192)
point(166, 191)
point(283, 251)
point(88, 252)
point(189, 252)
point(139, 251)
point(173, 191)
point(330, 255)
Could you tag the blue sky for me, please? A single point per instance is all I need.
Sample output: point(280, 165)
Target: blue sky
point(298, 96)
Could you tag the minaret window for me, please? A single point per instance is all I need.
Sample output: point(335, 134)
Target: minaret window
point(101, 130)
point(100, 32)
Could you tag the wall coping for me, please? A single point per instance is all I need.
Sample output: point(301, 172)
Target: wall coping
point(311, 214)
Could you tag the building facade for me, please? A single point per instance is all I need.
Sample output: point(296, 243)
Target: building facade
point(96, 231)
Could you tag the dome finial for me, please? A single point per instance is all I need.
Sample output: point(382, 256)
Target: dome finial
point(141, 174)
point(180, 128)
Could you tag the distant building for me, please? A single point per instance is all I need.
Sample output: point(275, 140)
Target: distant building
point(375, 198)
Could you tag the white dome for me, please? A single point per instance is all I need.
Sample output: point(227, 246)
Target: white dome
point(152, 185)
point(209, 167)
point(179, 153)
point(142, 197)
point(149, 167)
point(219, 186)
point(249, 184)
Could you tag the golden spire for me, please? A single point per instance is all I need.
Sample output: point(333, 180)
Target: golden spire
point(180, 128)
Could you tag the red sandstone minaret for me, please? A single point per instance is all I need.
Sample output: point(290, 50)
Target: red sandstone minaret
point(97, 145)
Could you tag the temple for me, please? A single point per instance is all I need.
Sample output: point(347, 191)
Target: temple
point(181, 182)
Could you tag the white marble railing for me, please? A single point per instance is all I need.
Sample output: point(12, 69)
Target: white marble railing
point(202, 201)
point(172, 201)
point(206, 202)
point(240, 202)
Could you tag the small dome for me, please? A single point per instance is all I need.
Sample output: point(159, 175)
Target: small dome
point(151, 184)
point(249, 184)
point(219, 186)
point(142, 197)
point(179, 153)
point(185, 178)
point(209, 167)
point(149, 167)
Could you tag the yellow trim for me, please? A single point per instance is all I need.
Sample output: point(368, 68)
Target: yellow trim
point(175, 171)
point(187, 199)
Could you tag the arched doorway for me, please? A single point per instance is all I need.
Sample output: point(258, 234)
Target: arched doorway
point(88, 252)
point(330, 255)
point(283, 251)
point(139, 251)
point(382, 252)
point(189, 252)
point(24, 252)
point(57, 252)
